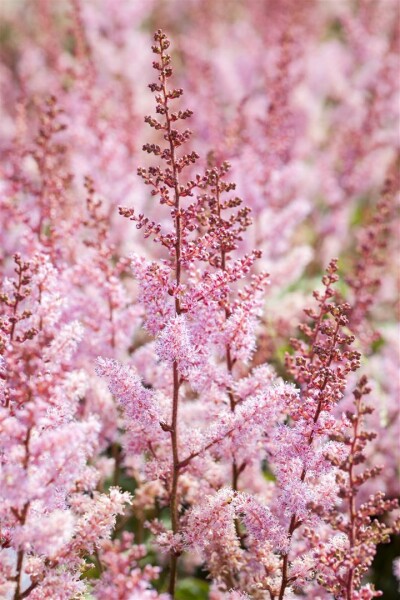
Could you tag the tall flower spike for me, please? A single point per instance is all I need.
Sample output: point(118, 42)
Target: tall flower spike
point(166, 183)
point(373, 240)
point(320, 366)
point(344, 567)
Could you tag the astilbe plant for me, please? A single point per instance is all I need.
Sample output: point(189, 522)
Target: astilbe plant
point(47, 523)
point(268, 489)
point(320, 367)
point(189, 313)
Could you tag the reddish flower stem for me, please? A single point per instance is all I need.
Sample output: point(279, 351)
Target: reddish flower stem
point(22, 518)
point(174, 505)
point(352, 499)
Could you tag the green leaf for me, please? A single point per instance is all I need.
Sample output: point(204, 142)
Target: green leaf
point(192, 588)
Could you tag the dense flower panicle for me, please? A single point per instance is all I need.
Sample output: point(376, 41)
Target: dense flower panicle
point(248, 470)
point(202, 519)
point(123, 578)
point(139, 404)
point(260, 523)
point(154, 281)
point(345, 568)
point(97, 518)
point(211, 528)
point(46, 535)
point(173, 344)
point(239, 331)
point(126, 386)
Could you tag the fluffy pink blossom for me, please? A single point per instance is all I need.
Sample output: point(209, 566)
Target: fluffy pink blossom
point(174, 343)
